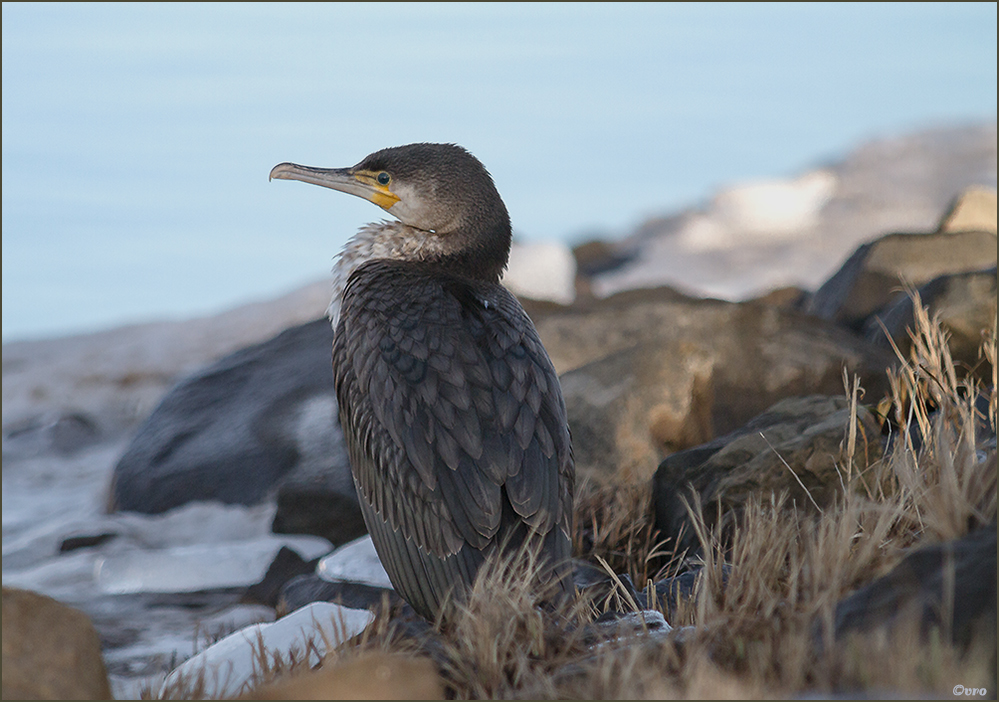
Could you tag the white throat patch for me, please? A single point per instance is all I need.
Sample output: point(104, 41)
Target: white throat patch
point(385, 239)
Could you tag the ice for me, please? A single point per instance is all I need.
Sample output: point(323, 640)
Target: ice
point(196, 567)
point(357, 562)
point(230, 665)
point(45, 495)
point(68, 578)
point(185, 553)
point(198, 523)
point(201, 546)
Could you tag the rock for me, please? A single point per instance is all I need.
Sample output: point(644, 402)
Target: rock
point(595, 256)
point(965, 304)
point(790, 298)
point(371, 676)
point(50, 651)
point(873, 276)
point(803, 439)
point(669, 592)
point(655, 376)
point(919, 585)
point(71, 543)
point(308, 506)
point(115, 378)
point(236, 431)
point(974, 210)
point(353, 576)
point(286, 565)
point(628, 410)
point(64, 433)
point(304, 589)
point(604, 590)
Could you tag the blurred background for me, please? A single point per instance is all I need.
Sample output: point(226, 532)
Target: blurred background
point(137, 138)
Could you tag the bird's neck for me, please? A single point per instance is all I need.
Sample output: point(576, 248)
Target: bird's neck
point(483, 258)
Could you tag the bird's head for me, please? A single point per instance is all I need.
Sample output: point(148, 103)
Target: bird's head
point(440, 190)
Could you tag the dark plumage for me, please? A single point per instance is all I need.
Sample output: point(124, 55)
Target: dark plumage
point(452, 411)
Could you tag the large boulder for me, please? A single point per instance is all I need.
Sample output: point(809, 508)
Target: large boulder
point(964, 303)
point(62, 395)
point(50, 651)
point(874, 274)
point(257, 421)
point(370, 676)
point(665, 373)
point(873, 277)
point(796, 446)
point(951, 586)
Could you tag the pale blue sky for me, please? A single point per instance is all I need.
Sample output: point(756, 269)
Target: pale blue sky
point(137, 138)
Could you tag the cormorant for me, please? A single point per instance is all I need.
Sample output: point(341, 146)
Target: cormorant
point(452, 411)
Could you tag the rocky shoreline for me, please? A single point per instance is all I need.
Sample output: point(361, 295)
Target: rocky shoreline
point(179, 481)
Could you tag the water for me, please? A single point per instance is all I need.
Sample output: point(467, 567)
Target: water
point(137, 138)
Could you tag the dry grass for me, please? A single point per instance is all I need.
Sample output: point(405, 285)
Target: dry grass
point(765, 630)
point(614, 523)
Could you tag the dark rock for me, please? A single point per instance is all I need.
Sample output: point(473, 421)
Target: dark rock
point(286, 565)
point(964, 302)
point(597, 585)
point(303, 589)
point(606, 591)
point(595, 257)
point(669, 592)
point(585, 574)
point(661, 375)
point(50, 651)
point(956, 578)
point(872, 277)
point(62, 432)
point(911, 436)
point(312, 508)
point(235, 432)
point(802, 444)
point(71, 543)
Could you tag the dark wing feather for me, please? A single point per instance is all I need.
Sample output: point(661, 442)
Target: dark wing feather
point(453, 417)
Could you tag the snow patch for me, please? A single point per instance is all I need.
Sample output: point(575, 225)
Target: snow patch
point(230, 665)
point(542, 271)
point(355, 562)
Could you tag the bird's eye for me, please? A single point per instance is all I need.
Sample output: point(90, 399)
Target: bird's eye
point(384, 178)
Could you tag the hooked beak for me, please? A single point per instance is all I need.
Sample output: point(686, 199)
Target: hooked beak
point(346, 180)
